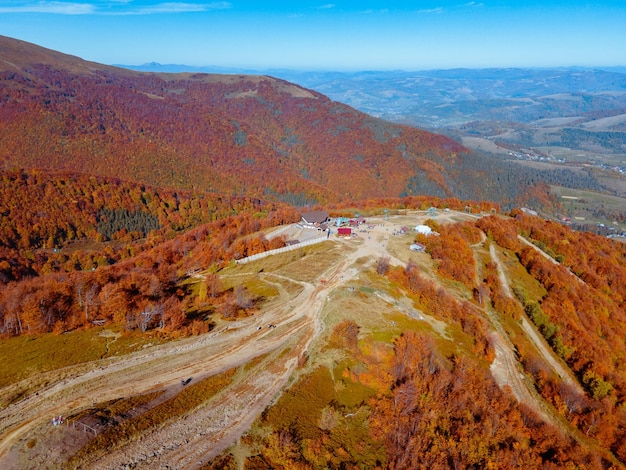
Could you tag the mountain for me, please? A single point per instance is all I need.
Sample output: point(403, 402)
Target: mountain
point(181, 68)
point(236, 134)
point(173, 138)
point(438, 98)
point(501, 345)
point(569, 113)
point(572, 118)
point(232, 134)
point(18, 56)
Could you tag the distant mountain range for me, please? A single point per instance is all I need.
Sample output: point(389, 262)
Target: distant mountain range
point(437, 97)
point(575, 108)
point(523, 107)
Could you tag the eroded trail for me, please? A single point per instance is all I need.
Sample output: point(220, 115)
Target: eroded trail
point(506, 372)
point(505, 368)
point(540, 344)
point(501, 275)
point(156, 370)
point(206, 432)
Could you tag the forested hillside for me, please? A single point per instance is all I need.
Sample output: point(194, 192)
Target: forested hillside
point(232, 134)
point(52, 221)
point(416, 341)
point(429, 403)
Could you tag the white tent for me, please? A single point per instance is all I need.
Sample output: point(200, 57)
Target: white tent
point(423, 229)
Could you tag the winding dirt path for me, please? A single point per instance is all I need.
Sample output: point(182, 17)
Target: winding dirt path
point(208, 430)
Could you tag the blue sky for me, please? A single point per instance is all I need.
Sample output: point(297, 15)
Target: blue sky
point(339, 35)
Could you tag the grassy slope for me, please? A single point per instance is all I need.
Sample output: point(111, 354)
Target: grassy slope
point(34, 361)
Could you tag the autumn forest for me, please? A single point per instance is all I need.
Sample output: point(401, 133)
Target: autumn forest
point(129, 203)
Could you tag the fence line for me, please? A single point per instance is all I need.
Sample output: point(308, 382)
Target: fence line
point(78, 424)
point(284, 249)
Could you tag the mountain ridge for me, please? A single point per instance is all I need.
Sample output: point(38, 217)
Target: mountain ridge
point(17, 55)
point(251, 135)
point(226, 133)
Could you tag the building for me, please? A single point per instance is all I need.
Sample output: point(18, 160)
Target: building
point(417, 247)
point(357, 221)
point(424, 230)
point(344, 231)
point(315, 219)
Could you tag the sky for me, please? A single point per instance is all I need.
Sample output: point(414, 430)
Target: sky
point(315, 35)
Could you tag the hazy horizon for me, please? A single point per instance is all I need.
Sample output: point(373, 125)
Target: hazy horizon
point(199, 68)
point(317, 36)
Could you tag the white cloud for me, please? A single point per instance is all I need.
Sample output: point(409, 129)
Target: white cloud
point(327, 6)
point(171, 7)
point(115, 7)
point(431, 11)
point(179, 7)
point(59, 8)
point(372, 12)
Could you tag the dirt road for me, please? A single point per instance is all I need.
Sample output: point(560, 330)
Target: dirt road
point(505, 368)
point(207, 431)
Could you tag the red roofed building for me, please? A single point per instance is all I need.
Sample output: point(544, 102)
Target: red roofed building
point(344, 231)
